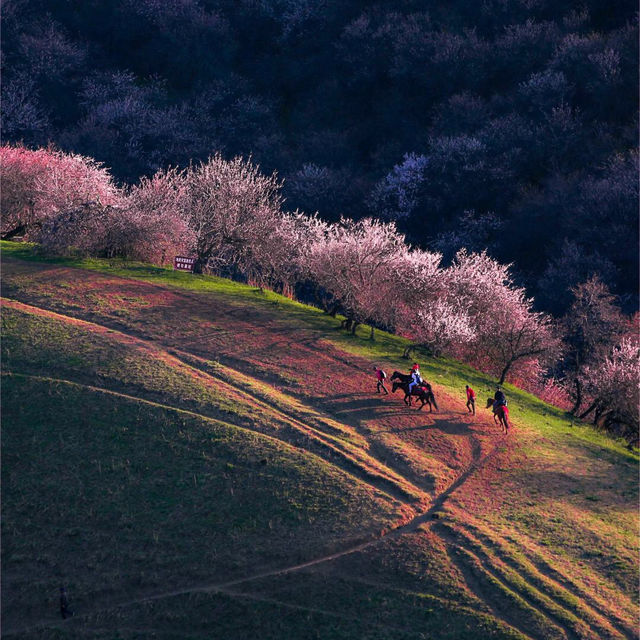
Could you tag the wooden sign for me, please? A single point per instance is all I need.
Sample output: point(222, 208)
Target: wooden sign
point(182, 263)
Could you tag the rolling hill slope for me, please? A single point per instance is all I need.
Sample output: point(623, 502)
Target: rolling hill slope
point(192, 457)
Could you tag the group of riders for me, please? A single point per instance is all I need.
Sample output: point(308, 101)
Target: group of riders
point(414, 385)
point(415, 380)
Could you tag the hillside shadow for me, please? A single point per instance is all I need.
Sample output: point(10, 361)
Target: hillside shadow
point(351, 405)
point(439, 424)
point(589, 489)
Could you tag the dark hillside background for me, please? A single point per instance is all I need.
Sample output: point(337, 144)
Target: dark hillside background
point(504, 124)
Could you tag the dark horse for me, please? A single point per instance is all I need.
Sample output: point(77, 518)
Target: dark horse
point(500, 414)
point(425, 393)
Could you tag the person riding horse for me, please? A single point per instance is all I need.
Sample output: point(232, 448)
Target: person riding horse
point(500, 409)
point(423, 390)
point(416, 378)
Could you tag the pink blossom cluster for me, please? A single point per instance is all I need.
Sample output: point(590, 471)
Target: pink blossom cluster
point(230, 217)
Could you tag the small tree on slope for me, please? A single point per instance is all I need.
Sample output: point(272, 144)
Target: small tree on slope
point(507, 329)
point(591, 328)
point(614, 385)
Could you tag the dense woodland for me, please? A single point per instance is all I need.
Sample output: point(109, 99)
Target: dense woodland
point(505, 125)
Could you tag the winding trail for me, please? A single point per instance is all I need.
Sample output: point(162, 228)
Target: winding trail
point(388, 479)
point(409, 527)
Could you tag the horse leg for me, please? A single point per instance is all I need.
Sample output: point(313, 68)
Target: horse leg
point(504, 415)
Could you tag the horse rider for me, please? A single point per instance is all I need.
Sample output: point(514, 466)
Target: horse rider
point(416, 378)
point(499, 399)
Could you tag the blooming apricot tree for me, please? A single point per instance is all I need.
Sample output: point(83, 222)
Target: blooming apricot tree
point(507, 329)
point(229, 202)
point(39, 184)
point(593, 325)
point(357, 262)
point(614, 385)
point(158, 225)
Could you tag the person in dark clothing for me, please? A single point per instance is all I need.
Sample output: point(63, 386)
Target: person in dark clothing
point(65, 612)
point(500, 400)
point(381, 376)
point(471, 400)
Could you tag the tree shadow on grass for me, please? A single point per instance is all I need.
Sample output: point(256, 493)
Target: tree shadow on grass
point(359, 404)
point(439, 424)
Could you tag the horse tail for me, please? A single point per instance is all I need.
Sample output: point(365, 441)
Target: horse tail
point(432, 399)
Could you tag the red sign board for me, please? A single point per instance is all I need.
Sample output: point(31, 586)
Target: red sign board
point(183, 264)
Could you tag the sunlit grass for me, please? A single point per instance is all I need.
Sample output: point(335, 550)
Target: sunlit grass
point(387, 349)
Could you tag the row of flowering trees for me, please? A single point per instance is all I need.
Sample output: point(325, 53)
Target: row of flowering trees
point(230, 217)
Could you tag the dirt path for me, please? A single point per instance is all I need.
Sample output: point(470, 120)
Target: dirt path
point(474, 443)
point(409, 527)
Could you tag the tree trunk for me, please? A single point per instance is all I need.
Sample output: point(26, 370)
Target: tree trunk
point(578, 402)
point(198, 266)
point(407, 352)
point(354, 327)
point(372, 336)
point(584, 414)
point(14, 232)
point(503, 375)
point(600, 411)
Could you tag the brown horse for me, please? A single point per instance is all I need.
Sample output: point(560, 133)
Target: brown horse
point(425, 395)
point(500, 414)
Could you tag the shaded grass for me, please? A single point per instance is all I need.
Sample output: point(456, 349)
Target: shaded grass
point(113, 497)
point(222, 615)
point(433, 616)
point(35, 344)
point(38, 343)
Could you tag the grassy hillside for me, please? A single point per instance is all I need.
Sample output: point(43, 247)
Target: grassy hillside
point(193, 457)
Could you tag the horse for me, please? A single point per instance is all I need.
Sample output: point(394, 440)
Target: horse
point(402, 380)
point(500, 414)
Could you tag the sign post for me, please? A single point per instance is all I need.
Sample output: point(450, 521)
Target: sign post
point(181, 263)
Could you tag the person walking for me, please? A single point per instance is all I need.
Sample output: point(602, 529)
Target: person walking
point(65, 612)
point(471, 400)
point(381, 377)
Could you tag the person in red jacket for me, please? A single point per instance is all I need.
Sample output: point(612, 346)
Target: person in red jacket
point(471, 400)
point(381, 375)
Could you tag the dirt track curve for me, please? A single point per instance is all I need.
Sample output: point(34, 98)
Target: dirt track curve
point(392, 481)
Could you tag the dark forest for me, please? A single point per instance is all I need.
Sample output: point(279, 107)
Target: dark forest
point(509, 125)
